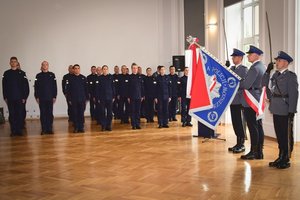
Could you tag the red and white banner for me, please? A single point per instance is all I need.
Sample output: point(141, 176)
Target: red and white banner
point(258, 107)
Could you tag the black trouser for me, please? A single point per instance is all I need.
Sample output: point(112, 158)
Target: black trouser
point(149, 107)
point(78, 115)
point(16, 116)
point(24, 114)
point(163, 111)
point(92, 108)
point(124, 109)
point(185, 108)
point(106, 113)
point(172, 107)
point(281, 129)
point(70, 112)
point(255, 128)
point(143, 109)
point(135, 114)
point(98, 112)
point(46, 115)
point(116, 111)
point(237, 122)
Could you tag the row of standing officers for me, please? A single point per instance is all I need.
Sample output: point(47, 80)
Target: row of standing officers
point(120, 94)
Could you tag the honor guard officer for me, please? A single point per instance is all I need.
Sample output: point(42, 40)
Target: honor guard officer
point(91, 82)
point(135, 96)
point(185, 102)
point(65, 80)
point(105, 95)
point(45, 92)
point(253, 83)
point(15, 89)
point(149, 88)
point(116, 101)
point(174, 87)
point(163, 97)
point(98, 106)
point(236, 105)
point(122, 95)
point(77, 94)
point(283, 97)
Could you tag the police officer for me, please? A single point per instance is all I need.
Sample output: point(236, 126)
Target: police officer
point(185, 102)
point(122, 95)
point(135, 96)
point(45, 92)
point(149, 88)
point(236, 105)
point(15, 89)
point(283, 98)
point(253, 83)
point(91, 83)
point(98, 112)
point(77, 94)
point(24, 113)
point(163, 97)
point(174, 87)
point(143, 106)
point(105, 95)
point(116, 101)
point(65, 80)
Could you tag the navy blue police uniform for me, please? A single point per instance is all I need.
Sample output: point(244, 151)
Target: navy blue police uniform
point(77, 94)
point(64, 83)
point(150, 89)
point(15, 92)
point(174, 98)
point(135, 95)
point(105, 93)
point(116, 102)
point(91, 79)
point(163, 93)
point(123, 97)
point(185, 102)
point(45, 90)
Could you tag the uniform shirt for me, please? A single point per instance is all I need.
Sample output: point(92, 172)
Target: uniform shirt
point(64, 82)
point(135, 86)
point(15, 85)
point(149, 86)
point(163, 87)
point(116, 81)
point(253, 80)
point(240, 70)
point(105, 89)
point(174, 84)
point(77, 88)
point(123, 85)
point(91, 79)
point(45, 87)
point(182, 86)
point(283, 92)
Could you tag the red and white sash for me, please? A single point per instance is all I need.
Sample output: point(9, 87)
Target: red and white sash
point(258, 107)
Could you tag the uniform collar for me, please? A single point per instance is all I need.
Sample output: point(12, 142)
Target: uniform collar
point(282, 71)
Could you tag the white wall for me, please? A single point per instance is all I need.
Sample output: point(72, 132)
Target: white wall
point(87, 32)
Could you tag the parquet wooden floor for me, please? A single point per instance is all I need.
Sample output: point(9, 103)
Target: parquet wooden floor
point(144, 164)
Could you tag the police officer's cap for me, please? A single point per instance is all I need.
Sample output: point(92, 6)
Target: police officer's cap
point(284, 56)
point(254, 49)
point(237, 52)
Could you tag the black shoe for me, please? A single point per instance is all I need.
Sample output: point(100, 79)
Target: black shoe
point(81, 131)
point(108, 129)
point(138, 127)
point(189, 124)
point(232, 148)
point(283, 165)
point(165, 126)
point(183, 125)
point(275, 162)
point(75, 131)
point(170, 119)
point(133, 128)
point(151, 120)
point(239, 149)
point(174, 119)
point(249, 156)
point(160, 126)
point(102, 129)
point(43, 132)
point(148, 121)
